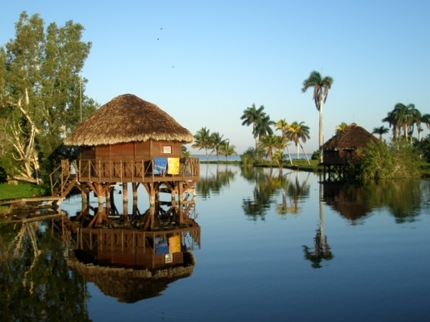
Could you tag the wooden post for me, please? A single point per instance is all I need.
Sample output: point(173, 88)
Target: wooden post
point(125, 198)
point(134, 187)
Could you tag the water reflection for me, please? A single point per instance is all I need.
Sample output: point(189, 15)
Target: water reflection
point(350, 202)
point(36, 284)
point(45, 264)
point(212, 183)
point(135, 257)
point(321, 250)
point(403, 199)
point(268, 185)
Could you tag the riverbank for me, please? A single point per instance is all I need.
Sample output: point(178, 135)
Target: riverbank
point(297, 164)
point(26, 190)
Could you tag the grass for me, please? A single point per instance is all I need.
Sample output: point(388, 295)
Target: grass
point(298, 164)
point(21, 190)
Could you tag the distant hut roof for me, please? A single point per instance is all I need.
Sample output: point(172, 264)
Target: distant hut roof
point(351, 138)
point(128, 118)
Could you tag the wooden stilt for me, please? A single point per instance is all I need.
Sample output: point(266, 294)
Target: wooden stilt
point(125, 198)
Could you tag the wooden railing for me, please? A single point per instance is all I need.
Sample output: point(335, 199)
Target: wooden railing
point(61, 176)
point(132, 171)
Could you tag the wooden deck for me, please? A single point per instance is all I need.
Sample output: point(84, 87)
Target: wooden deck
point(133, 171)
point(89, 172)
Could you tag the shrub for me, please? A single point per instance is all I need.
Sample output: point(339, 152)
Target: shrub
point(316, 155)
point(386, 161)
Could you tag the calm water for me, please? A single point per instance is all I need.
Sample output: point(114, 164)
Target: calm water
point(273, 248)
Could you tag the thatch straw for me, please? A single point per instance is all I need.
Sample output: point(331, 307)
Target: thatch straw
point(127, 118)
point(132, 285)
point(351, 138)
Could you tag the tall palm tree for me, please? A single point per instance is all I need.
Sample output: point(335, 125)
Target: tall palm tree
point(263, 127)
point(299, 132)
point(321, 86)
point(227, 150)
point(425, 119)
point(404, 118)
point(282, 125)
point(342, 126)
point(380, 131)
point(250, 116)
point(216, 141)
point(390, 119)
point(202, 140)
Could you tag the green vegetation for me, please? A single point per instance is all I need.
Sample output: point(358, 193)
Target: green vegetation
point(387, 161)
point(206, 140)
point(321, 86)
point(42, 95)
point(403, 119)
point(21, 190)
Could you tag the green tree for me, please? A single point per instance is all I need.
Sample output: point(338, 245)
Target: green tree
point(252, 115)
point(387, 161)
point(252, 155)
point(380, 131)
point(202, 140)
point(299, 132)
point(39, 93)
point(321, 86)
point(425, 119)
point(216, 141)
point(227, 150)
point(282, 125)
point(279, 157)
point(402, 119)
point(263, 127)
point(342, 126)
point(405, 117)
point(270, 143)
point(184, 152)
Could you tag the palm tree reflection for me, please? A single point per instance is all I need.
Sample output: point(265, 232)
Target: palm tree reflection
point(212, 183)
point(268, 186)
point(321, 249)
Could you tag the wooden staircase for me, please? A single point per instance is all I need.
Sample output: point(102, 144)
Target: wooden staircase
point(62, 181)
point(67, 223)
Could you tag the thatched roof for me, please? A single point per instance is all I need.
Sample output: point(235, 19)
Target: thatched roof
point(127, 118)
point(348, 201)
point(351, 138)
point(131, 285)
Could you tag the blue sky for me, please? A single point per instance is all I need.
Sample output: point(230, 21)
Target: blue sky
point(213, 59)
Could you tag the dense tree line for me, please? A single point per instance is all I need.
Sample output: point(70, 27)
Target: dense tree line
point(42, 95)
point(213, 143)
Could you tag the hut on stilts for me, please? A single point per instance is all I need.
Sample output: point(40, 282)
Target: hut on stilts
point(128, 142)
point(342, 149)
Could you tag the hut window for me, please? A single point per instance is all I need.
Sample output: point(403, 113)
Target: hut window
point(166, 149)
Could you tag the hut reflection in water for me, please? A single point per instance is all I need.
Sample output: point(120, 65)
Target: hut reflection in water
point(134, 257)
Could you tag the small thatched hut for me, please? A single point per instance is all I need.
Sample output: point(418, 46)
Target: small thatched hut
point(128, 127)
point(128, 140)
point(342, 147)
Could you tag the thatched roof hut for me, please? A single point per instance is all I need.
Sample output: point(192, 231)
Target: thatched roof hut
point(351, 138)
point(128, 118)
point(341, 147)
